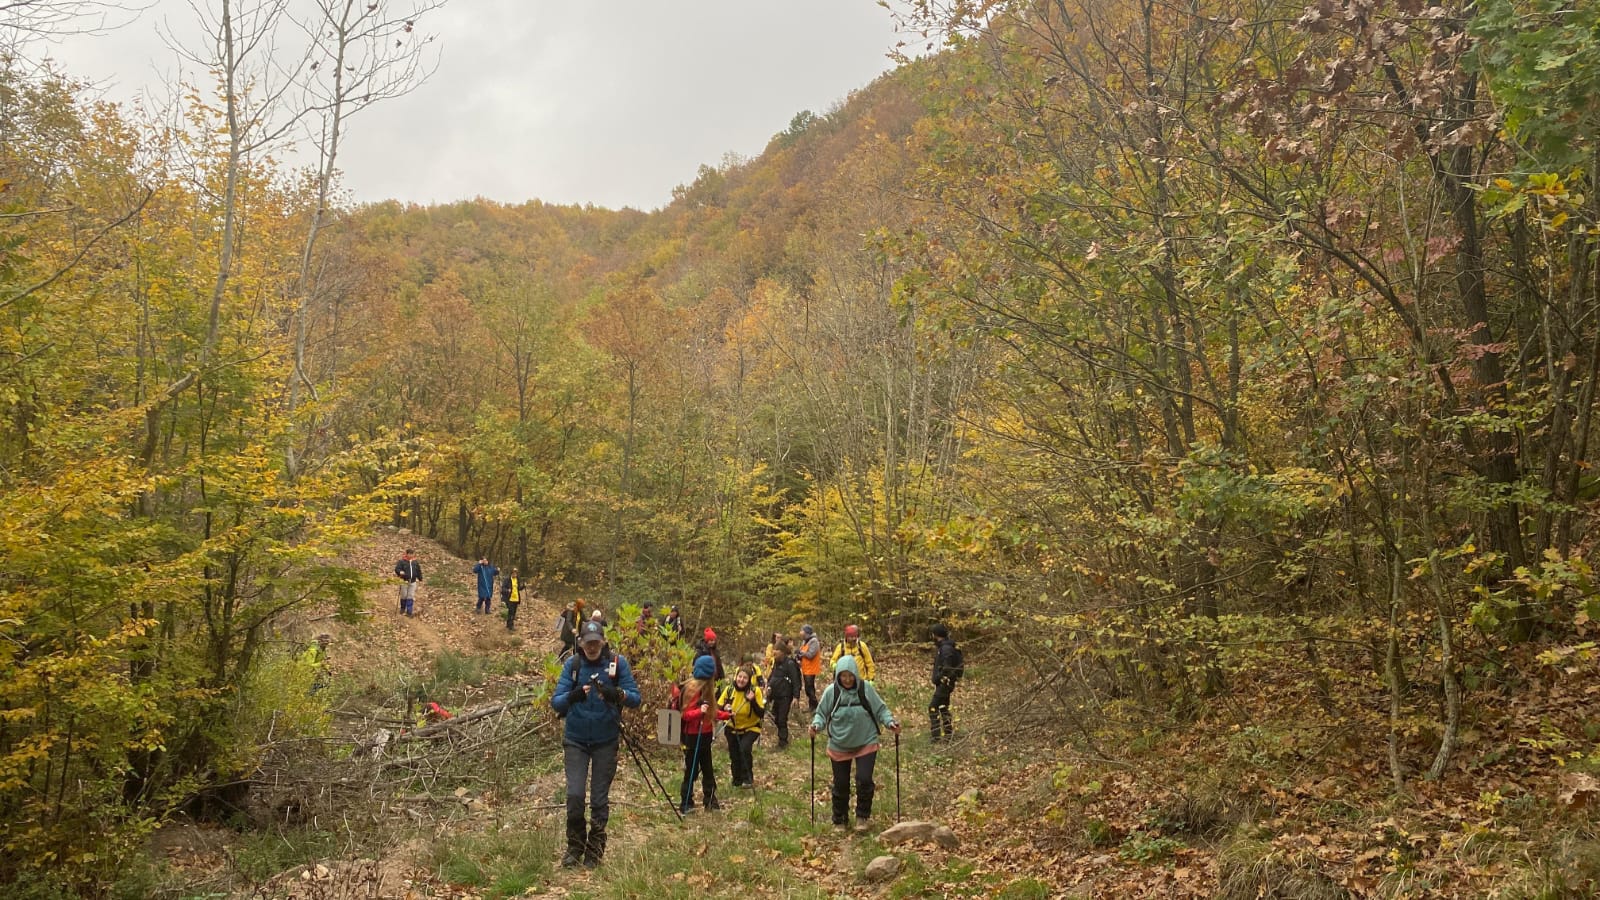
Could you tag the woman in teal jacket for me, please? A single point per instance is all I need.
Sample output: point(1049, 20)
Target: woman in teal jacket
point(853, 715)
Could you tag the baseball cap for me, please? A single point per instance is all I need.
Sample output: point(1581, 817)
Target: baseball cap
point(592, 632)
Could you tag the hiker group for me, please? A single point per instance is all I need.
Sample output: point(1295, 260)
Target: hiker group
point(408, 571)
point(596, 683)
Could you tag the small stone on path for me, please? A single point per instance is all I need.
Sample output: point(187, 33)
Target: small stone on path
point(883, 868)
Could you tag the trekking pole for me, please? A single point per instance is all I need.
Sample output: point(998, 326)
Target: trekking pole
point(813, 778)
point(642, 763)
point(665, 794)
point(897, 776)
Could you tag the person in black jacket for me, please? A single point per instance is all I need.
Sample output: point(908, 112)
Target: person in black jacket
point(409, 571)
point(947, 666)
point(783, 686)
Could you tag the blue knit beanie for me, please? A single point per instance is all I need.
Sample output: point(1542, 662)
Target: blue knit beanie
point(705, 667)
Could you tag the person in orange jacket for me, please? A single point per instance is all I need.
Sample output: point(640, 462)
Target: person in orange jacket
point(810, 654)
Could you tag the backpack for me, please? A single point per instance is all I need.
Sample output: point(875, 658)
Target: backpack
point(574, 665)
point(957, 666)
point(861, 701)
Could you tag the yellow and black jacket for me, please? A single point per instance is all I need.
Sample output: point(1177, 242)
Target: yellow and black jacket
point(746, 714)
point(860, 652)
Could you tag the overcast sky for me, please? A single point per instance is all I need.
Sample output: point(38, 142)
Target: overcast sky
point(611, 102)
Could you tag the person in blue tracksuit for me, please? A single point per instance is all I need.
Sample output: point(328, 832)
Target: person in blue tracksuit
point(486, 574)
point(595, 684)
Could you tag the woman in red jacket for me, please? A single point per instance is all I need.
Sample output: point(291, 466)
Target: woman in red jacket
point(700, 714)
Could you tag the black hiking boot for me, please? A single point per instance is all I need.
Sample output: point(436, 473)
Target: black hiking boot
point(576, 845)
point(864, 793)
point(596, 849)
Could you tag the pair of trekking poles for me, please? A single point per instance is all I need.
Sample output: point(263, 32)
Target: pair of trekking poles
point(814, 777)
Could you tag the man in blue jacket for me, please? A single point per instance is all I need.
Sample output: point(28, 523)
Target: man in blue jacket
point(486, 574)
point(595, 684)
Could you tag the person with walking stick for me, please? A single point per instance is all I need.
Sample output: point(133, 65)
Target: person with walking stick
point(853, 716)
point(694, 698)
point(594, 686)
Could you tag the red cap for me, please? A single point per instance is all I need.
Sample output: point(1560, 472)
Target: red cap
point(710, 635)
point(851, 631)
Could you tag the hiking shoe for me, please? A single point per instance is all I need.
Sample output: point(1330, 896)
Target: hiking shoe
point(570, 860)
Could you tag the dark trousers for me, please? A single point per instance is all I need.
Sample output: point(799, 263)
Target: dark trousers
point(697, 764)
point(864, 787)
point(511, 614)
point(811, 690)
point(484, 601)
point(780, 716)
point(939, 711)
point(593, 766)
point(741, 755)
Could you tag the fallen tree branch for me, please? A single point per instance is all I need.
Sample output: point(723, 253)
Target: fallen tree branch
point(466, 718)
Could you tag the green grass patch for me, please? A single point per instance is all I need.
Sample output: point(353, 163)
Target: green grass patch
point(718, 854)
point(957, 879)
point(504, 863)
point(1099, 833)
point(1025, 889)
point(265, 854)
point(1147, 848)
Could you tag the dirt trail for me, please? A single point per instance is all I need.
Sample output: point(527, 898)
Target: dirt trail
point(445, 618)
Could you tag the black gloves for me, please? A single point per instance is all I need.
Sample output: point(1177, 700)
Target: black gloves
point(610, 694)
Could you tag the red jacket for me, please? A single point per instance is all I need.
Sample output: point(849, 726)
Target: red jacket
point(694, 721)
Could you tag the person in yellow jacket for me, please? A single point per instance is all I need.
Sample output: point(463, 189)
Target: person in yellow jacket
point(747, 705)
point(770, 655)
point(853, 645)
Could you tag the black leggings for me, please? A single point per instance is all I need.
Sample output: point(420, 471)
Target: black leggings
point(864, 787)
point(697, 763)
point(939, 711)
point(780, 716)
point(741, 757)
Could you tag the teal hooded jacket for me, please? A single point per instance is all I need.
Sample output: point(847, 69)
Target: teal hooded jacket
point(851, 718)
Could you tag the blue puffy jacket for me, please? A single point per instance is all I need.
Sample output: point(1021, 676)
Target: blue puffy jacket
point(592, 719)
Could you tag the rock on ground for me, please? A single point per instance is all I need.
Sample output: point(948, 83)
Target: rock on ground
point(883, 868)
point(908, 831)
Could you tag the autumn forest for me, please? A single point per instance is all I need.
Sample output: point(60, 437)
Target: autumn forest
point(1225, 372)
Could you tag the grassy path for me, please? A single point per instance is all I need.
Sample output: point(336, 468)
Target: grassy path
point(763, 842)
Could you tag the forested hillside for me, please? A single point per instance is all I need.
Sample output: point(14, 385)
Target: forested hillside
point(1225, 371)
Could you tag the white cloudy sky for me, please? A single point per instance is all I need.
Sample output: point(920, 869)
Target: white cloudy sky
point(611, 102)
